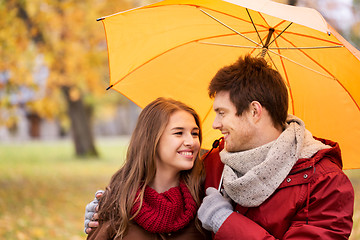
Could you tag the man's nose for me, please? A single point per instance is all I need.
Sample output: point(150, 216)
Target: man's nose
point(216, 124)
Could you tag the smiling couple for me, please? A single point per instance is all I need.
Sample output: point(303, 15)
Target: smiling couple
point(275, 180)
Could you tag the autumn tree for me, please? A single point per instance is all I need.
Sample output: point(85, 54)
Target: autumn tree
point(72, 46)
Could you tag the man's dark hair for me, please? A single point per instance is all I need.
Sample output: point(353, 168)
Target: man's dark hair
point(252, 79)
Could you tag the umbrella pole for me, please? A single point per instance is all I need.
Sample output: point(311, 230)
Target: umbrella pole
point(266, 46)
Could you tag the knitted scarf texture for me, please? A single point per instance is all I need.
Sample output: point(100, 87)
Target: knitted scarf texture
point(165, 212)
point(251, 176)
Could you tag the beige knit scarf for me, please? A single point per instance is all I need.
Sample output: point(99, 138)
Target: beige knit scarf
point(251, 176)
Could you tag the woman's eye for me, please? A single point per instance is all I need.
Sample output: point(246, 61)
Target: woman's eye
point(195, 134)
point(178, 133)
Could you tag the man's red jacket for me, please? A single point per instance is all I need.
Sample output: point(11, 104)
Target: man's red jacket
point(315, 201)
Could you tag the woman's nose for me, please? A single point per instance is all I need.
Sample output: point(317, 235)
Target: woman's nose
point(189, 140)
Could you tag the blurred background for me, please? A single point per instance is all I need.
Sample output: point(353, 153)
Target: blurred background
point(62, 135)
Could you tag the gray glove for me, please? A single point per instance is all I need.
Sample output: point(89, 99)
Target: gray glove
point(90, 210)
point(214, 210)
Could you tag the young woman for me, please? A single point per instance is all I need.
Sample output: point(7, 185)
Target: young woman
point(156, 194)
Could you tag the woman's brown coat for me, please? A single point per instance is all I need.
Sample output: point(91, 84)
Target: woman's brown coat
point(106, 232)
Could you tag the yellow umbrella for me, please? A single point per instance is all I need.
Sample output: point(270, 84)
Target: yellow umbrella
point(173, 48)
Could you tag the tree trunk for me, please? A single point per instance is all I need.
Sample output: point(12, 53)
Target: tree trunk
point(80, 117)
point(292, 2)
point(34, 125)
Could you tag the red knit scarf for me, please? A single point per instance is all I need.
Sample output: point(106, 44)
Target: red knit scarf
point(165, 212)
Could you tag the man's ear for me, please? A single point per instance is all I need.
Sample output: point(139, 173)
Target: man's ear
point(256, 110)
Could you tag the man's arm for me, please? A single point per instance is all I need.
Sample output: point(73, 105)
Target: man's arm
point(330, 215)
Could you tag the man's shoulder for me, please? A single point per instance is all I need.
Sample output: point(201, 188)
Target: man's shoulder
point(333, 154)
point(326, 162)
point(329, 159)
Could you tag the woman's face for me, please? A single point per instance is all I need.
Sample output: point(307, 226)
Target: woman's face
point(179, 144)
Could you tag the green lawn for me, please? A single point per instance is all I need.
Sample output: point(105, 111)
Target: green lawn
point(44, 188)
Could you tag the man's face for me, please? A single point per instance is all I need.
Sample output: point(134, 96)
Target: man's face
point(238, 131)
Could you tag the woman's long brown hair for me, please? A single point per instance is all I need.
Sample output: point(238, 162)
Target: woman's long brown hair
point(140, 166)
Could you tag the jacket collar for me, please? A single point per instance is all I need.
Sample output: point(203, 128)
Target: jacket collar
point(305, 168)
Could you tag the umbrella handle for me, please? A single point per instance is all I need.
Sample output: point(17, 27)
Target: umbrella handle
point(221, 180)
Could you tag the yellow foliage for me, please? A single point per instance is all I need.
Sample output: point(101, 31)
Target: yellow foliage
point(72, 42)
point(37, 232)
point(21, 236)
point(356, 29)
point(49, 107)
point(107, 112)
point(74, 94)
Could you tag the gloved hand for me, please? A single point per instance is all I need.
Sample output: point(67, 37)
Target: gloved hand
point(214, 210)
point(90, 212)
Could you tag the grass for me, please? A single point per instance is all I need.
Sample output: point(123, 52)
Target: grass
point(44, 188)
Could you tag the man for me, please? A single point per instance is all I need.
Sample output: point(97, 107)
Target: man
point(276, 180)
point(283, 184)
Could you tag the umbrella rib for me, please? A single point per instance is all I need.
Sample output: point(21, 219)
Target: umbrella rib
point(273, 48)
point(301, 65)
point(332, 77)
point(312, 37)
point(229, 45)
point(280, 33)
point(209, 15)
point(277, 25)
point(146, 62)
point(312, 59)
point(247, 10)
point(287, 81)
point(275, 66)
point(298, 48)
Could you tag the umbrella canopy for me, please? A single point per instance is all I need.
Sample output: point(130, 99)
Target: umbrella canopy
point(173, 49)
